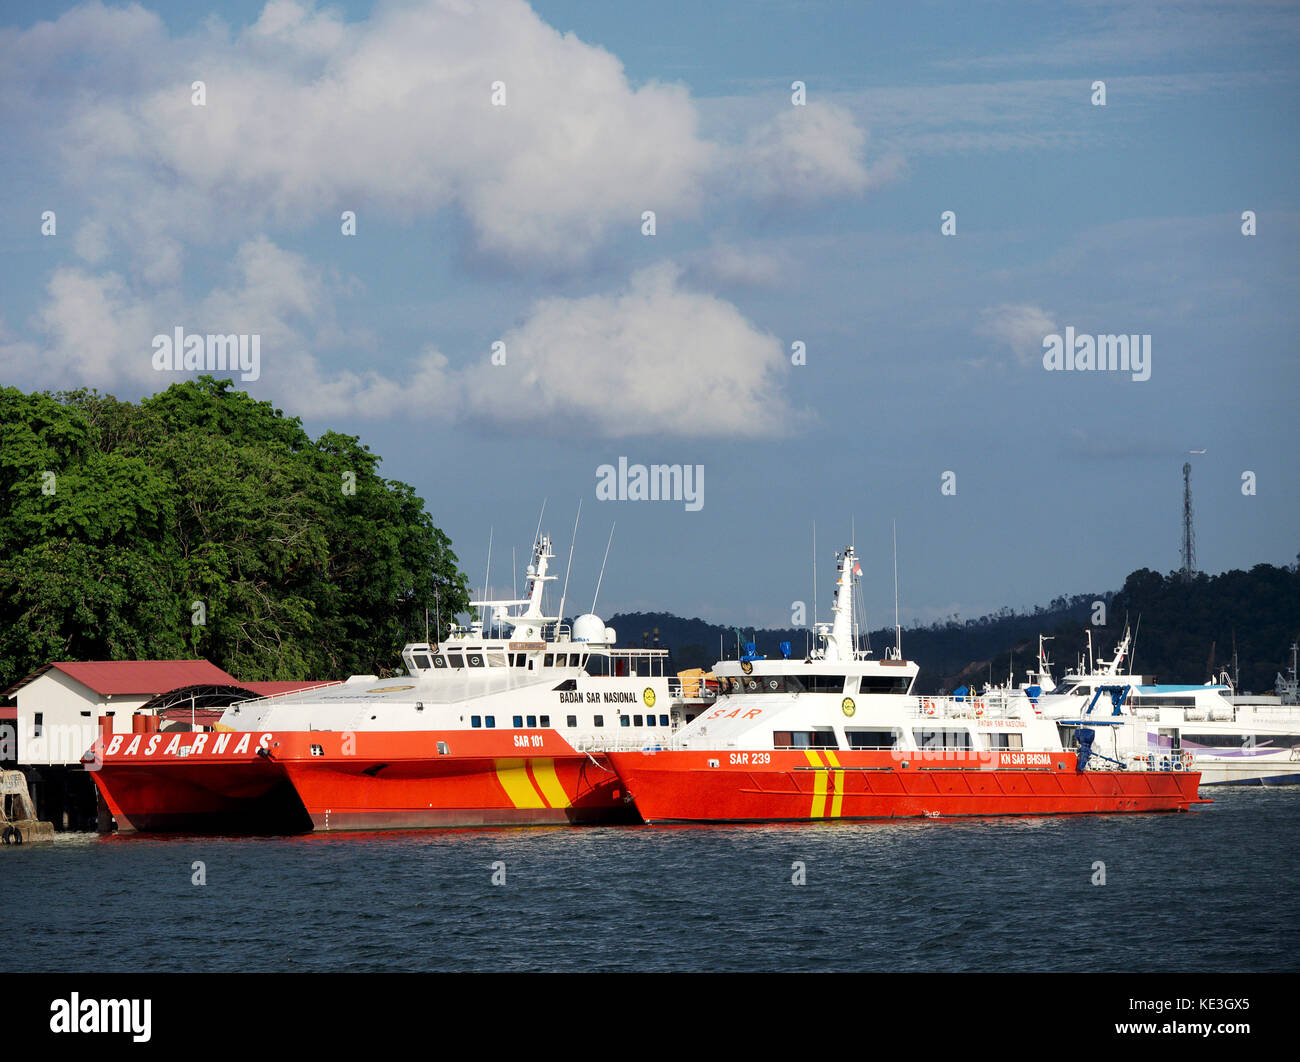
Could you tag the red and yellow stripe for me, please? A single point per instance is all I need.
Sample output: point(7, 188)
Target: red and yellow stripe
point(532, 783)
point(828, 782)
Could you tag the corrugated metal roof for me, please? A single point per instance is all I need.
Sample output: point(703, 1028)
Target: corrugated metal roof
point(138, 677)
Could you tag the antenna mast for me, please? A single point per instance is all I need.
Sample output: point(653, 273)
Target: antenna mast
point(898, 630)
point(487, 577)
point(564, 593)
point(814, 622)
point(602, 568)
point(1189, 540)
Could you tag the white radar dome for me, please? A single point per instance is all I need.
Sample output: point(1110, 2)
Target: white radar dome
point(589, 628)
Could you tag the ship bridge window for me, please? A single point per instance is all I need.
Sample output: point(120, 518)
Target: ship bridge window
point(455, 660)
point(1005, 741)
point(860, 738)
point(520, 659)
point(1240, 741)
point(823, 683)
point(884, 684)
point(804, 739)
point(496, 660)
point(1147, 701)
point(942, 738)
point(439, 661)
point(422, 661)
point(474, 659)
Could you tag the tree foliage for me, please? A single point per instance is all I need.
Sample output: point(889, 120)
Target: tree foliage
point(298, 557)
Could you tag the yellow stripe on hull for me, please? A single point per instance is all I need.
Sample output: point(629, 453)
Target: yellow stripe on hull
point(547, 781)
point(513, 776)
point(819, 786)
point(837, 802)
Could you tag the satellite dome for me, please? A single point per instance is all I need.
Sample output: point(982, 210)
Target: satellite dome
point(589, 628)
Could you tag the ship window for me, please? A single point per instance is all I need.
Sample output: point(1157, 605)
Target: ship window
point(690, 718)
point(422, 661)
point(571, 720)
point(623, 720)
point(546, 720)
point(475, 659)
point(942, 738)
point(496, 660)
point(443, 748)
point(638, 720)
point(38, 724)
point(824, 683)
point(1006, 741)
point(519, 721)
point(804, 739)
point(455, 660)
point(1240, 741)
point(663, 720)
point(884, 684)
point(520, 660)
point(871, 739)
point(549, 660)
point(598, 720)
point(532, 720)
point(490, 722)
point(475, 720)
point(568, 685)
point(439, 661)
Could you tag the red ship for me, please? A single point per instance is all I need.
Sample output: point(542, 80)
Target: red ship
point(840, 735)
point(482, 730)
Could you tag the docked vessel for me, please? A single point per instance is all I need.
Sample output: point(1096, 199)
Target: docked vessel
point(500, 726)
point(1230, 742)
point(840, 735)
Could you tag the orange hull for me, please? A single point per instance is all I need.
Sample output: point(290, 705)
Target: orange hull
point(820, 785)
point(318, 780)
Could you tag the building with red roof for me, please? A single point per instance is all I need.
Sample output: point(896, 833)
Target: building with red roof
point(59, 705)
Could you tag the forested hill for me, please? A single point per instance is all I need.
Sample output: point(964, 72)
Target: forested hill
point(202, 523)
point(1186, 632)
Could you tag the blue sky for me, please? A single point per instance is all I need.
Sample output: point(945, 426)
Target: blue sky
point(775, 224)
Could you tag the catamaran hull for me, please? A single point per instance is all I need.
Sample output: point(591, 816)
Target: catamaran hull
point(1279, 773)
point(304, 781)
point(817, 786)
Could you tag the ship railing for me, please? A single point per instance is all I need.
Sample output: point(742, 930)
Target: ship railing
point(968, 707)
point(659, 739)
point(1161, 760)
point(691, 690)
point(286, 693)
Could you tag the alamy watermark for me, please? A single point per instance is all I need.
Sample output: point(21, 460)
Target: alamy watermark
point(1081, 353)
point(212, 352)
point(683, 483)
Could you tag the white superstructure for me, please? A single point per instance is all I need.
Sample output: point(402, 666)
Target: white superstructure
point(841, 697)
point(526, 671)
point(1229, 743)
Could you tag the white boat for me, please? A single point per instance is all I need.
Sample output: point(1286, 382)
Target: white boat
point(1230, 743)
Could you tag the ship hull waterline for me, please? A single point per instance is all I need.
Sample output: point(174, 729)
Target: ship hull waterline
point(325, 781)
point(824, 786)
